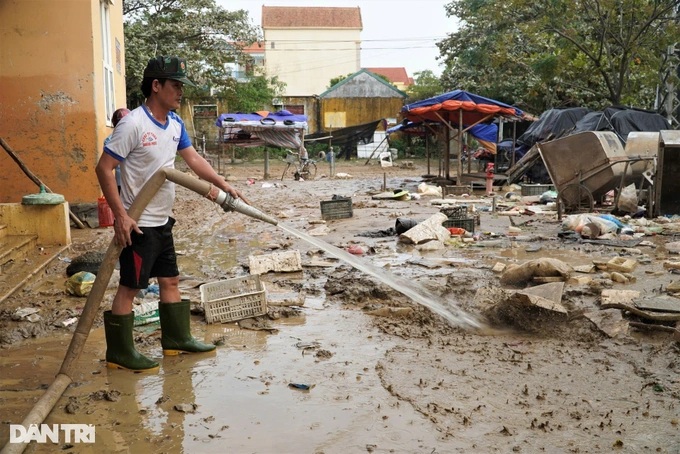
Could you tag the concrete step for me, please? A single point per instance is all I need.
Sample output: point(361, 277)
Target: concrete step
point(23, 264)
point(14, 248)
point(3, 230)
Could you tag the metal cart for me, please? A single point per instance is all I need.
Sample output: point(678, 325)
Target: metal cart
point(584, 167)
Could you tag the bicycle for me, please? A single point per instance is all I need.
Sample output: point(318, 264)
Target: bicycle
point(305, 169)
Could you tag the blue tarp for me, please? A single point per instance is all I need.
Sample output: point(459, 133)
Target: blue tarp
point(472, 113)
point(281, 129)
point(481, 131)
point(459, 95)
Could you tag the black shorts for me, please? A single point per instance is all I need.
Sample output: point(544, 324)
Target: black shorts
point(150, 255)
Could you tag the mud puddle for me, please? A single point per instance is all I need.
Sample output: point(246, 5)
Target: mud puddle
point(247, 397)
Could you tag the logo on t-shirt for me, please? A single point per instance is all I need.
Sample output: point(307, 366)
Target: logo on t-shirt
point(175, 139)
point(149, 139)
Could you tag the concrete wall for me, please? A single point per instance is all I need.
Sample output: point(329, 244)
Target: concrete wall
point(306, 60)
point(49, 222)
point(52, 104)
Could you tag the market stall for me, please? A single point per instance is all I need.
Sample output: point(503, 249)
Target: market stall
point(281, 129)
point(459, 111)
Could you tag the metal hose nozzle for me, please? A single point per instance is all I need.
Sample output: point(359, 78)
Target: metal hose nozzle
point(228, 203)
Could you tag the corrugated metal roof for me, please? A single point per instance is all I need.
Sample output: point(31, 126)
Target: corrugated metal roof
point(311, 17)
point(363, 84)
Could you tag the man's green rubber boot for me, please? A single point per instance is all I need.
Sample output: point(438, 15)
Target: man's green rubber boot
point(176, 335)
point(120, 345)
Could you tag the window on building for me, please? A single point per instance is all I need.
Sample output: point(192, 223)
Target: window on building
point(107, 60)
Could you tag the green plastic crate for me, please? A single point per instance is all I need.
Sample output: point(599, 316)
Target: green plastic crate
point(468, 224)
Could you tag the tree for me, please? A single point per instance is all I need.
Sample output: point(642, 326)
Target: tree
point(336, 80)
point(252, 95)
point(425, 85)
point(206, 35)
point(560, 53)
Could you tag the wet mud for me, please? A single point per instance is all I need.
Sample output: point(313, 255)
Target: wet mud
point(359, 367)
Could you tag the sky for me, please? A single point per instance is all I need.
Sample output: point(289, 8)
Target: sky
point(396, 33)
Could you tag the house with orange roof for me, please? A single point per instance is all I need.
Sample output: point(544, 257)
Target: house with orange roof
point(397, 76)
point(251, 65)
point(306, 47)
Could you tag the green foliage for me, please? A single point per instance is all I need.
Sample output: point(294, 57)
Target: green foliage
point(336, 80)
point(206, 35)
point(425, 85)
point(556, 53)
point(252, 95)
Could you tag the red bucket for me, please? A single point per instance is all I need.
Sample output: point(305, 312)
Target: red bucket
point(104, 213)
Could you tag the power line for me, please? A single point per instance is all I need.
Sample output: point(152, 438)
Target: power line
point(322, 41)
point(289, 50)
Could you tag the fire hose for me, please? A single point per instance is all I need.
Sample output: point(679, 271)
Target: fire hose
point(46, 403)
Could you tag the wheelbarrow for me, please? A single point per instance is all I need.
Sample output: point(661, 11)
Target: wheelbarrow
point(584, 167)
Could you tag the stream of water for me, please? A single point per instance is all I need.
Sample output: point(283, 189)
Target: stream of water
point(454, 315)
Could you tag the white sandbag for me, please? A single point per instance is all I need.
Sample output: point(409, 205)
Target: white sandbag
point(518, 274)
point(426, 189)
point(428, 230)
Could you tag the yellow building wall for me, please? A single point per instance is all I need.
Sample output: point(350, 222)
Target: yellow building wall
point(307, 59)
point(356, 111)
point(52, 104)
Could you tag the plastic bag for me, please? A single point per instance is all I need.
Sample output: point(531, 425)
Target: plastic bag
point(426, 189)
point(80, 283)
point(628, 202)
point(594, 225)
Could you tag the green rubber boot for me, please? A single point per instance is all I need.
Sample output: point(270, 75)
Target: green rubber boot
point(176, 335)
point(120, 346)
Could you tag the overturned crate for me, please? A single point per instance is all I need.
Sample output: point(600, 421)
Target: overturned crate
point(467, 223)
point(456, 212)
point(453, 190)
point(536, 189)
point(336, 209)
point(458, 216)
point(233, 299)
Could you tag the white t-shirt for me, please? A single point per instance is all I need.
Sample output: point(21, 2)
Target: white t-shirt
point(143, 146)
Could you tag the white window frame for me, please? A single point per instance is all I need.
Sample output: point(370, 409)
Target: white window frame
point(107, 61)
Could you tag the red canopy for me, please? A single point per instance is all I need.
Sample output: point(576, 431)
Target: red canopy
point(449, 106)
point(460, 109)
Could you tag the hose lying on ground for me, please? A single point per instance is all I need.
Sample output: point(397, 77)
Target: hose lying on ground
point(44, 406)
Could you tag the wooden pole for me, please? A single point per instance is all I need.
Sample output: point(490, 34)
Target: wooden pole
point(459, 169)
point(427, 151)
point(376, 149)
point(46, 403)
point(266, 163)
point(35, 179)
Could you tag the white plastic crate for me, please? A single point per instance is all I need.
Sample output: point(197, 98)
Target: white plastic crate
point(233, 299)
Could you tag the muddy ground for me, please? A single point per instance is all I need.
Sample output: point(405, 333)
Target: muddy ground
point(359, 366)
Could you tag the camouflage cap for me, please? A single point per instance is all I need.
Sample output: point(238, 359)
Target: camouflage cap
point(168, 68)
